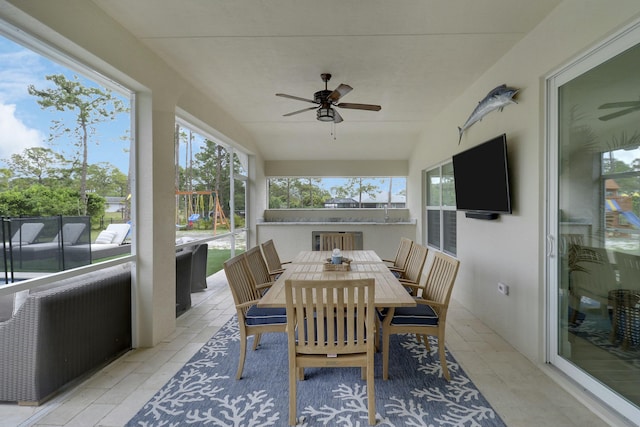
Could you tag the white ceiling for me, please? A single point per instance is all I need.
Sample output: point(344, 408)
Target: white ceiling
point(409, 56)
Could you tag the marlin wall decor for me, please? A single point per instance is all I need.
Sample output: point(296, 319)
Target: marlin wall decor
point(497, 99)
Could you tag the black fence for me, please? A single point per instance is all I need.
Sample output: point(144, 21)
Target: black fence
point(44, 244)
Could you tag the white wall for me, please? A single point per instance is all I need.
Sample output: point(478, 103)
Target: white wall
point(511, 249)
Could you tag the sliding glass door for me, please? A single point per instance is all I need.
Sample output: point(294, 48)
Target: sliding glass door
point(594, 219)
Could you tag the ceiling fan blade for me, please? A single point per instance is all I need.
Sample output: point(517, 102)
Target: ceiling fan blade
point(284, 95)
point(620, 104)
point(299, 111)
point(369, 107)
point(619, 113)
point(337, 118)
point(339, 92)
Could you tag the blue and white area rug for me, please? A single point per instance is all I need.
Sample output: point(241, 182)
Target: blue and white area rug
point(205, 392)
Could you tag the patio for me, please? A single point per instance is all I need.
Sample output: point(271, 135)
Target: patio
point(521, 393)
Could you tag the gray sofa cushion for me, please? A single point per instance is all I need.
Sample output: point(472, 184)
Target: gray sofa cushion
point(6, 307)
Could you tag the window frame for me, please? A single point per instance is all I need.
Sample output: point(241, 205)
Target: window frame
point(447, 241)
point(379, 204)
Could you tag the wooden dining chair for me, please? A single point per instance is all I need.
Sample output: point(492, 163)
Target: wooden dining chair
point(331, 241)
point(258, 268)
point(274, 264)
point(412, 275)
point(330, 323)
point(429, 316)
point(252, 320)
point(399, 263)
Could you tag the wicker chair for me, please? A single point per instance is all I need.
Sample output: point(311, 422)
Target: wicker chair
point(429, 316)
point(629, 267)
point(63, 331)
point(330, 324)
point(252, 320)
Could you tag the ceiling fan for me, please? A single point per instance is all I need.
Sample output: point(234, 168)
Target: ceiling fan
point(326, 100)
point(629, 107)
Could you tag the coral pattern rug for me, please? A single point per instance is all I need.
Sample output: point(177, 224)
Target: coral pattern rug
point(205, 392)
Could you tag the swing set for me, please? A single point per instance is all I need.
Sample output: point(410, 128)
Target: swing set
point(196, 209)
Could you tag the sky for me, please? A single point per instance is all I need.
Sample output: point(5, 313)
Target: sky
point(24, 124)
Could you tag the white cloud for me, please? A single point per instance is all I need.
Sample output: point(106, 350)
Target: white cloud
point(19, 70)
point(15, 136)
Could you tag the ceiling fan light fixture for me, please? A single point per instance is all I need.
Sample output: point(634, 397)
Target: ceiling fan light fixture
point(326, 114)
point(327, 99)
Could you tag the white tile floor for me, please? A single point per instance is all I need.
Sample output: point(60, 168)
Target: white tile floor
point(518, 390)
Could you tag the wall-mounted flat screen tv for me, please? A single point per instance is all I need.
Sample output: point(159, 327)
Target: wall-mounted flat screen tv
point(481, 176)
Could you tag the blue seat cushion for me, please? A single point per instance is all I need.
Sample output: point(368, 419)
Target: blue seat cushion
point(265, 316)
point(420, 315)
point(396, 273)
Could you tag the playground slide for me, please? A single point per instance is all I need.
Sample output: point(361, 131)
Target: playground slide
point(612, 205)
point(632, 218)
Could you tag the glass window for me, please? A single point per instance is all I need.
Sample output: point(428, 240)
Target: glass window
point(333, 193)
point(202, 182)
point(64, 155)
point(441, 208)
point(211, 195)
point(598, 296)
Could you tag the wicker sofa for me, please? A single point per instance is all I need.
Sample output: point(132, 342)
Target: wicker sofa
point(61, 331)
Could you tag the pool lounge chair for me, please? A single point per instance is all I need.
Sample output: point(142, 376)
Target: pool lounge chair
point(27, 233)
point(110, 242)
point(71, 234)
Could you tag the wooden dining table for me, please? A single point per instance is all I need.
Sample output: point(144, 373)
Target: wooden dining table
point(309, 265)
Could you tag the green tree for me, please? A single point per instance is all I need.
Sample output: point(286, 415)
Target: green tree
point(211, 168)
point(91, 106)
point(612, 166)
point(5, 178)
point(106, 180)
point(40, 200)
point(356, 187)
point(309, 192)
point(279, 193)
point(38, 165)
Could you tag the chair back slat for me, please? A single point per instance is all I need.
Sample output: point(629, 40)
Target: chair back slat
point(331, 317)
point(331, 241)
point(415, 263)
point(243, 288)
point(257, 265)
point(440, 278)
point(271, 255)
point(402, 255)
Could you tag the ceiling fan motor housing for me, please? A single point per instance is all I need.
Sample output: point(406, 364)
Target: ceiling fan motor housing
point(321, 96)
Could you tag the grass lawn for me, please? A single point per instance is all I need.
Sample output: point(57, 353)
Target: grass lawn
point(215, 259)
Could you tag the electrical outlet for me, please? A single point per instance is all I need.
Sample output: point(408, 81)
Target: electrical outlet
point(503, 288)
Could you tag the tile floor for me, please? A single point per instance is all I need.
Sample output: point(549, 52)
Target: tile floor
point(518, 390)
